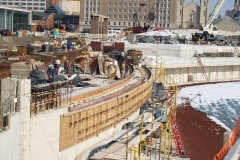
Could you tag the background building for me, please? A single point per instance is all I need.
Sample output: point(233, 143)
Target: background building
point(170, 13)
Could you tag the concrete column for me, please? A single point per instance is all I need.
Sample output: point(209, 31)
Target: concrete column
point(5, 19)
point(24, 105)
point(105, 27)
point(12, 15)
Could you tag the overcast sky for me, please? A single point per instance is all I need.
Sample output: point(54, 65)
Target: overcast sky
point(228, 5)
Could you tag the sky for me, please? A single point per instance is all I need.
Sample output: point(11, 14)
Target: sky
point(228, 5)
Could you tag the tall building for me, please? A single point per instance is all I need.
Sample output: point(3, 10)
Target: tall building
point(38, 5)
point(169, 13)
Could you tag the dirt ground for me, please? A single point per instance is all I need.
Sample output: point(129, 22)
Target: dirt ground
point(18, 41)
point(202, 138)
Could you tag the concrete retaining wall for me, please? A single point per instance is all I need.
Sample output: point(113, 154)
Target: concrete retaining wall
point(180, 50)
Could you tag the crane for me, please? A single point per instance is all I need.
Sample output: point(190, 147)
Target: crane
point(151, 16)
point(135, 16)
point(209, 26)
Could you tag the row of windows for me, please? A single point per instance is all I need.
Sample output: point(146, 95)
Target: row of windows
point(92, 9)
point(130, 23)
point(115, 4)
point(23, 4)
point(130, 10)
point(139, 17)
point(92, 3)
point(28, 1)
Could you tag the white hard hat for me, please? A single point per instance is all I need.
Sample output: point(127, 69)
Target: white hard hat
point(57, 62)
point(123, 54)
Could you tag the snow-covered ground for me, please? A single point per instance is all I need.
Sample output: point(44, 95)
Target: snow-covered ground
point(221, 102)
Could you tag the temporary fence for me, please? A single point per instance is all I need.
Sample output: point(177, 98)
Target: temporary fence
point(230, 142)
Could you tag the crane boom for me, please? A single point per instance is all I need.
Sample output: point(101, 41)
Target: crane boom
point(151, 16)
point(208, 26)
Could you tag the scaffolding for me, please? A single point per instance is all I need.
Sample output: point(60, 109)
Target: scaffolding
point(171, 143)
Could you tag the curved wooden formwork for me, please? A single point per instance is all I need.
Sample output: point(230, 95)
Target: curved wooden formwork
point(84, 123)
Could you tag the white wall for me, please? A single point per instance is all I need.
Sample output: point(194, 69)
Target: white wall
point(180, 50)
point(10, 140)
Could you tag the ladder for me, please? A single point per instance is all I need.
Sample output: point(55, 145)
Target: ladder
point(203, 69)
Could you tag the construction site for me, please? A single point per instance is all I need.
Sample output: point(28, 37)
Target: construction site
point(126, 97)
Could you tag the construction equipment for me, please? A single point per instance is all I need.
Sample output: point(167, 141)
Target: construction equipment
point(151, 16)
point(209, 26)
point(210, 31)
point(128, 30)
point(137, 28)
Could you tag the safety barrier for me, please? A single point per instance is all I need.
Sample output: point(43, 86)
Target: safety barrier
point(230, 142)
point(81, 125)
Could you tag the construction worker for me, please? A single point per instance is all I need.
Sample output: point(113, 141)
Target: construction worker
point(122, 64)
point(54, 69)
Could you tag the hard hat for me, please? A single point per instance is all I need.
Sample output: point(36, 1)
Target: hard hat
point(123, 54)
point(57, 62)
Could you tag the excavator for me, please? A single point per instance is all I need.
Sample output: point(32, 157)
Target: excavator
point(210, 31)
point(137, 28)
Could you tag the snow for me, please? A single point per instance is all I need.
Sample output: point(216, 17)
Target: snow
point(221, 102)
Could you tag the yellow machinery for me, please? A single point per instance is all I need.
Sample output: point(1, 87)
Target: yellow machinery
point(128, 30)
point(16, 51)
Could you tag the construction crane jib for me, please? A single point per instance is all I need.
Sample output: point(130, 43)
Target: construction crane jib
point(209, 26)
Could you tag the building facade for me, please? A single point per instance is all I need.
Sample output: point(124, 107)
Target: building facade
point(169, 13)
point(37, 5)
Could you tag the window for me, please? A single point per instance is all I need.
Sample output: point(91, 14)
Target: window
point(134, 10)
point(109, 3)
point(90, 9)
point(15, 3)
point(94, 3)
point(90, 3)
point(115, 4)
point(85, 22)
point(119, 16)
point(167, 25)
point(120, 4)
point(125, 4)
point(168, 18)
point(86, 15)
point(93, 9)
point(129, 23)
point(11, 3)
point(98, 9)
point(119, 10)
point(168, 5)
point(204, 3)
point(119, 23)
point(129, 16)
point(86, 3)
point(129, 10)
point(129, 4)
point(114, 16)
point(124, 16)
point(115, 10)
point(144, 17)
point(163, 25)
point(145, 11)
point(98, 3)
point(108, 23)
point(86, 9)
point(180, 12)
point(192, 16)
point(114, 23)
point(134, 4)
point(109, 10)
point(35, 8)
point(124, 23)
point(124, 10)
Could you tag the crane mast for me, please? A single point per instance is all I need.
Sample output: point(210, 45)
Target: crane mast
point(209, 27)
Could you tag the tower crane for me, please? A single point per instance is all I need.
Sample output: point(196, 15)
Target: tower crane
point(209, 28)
